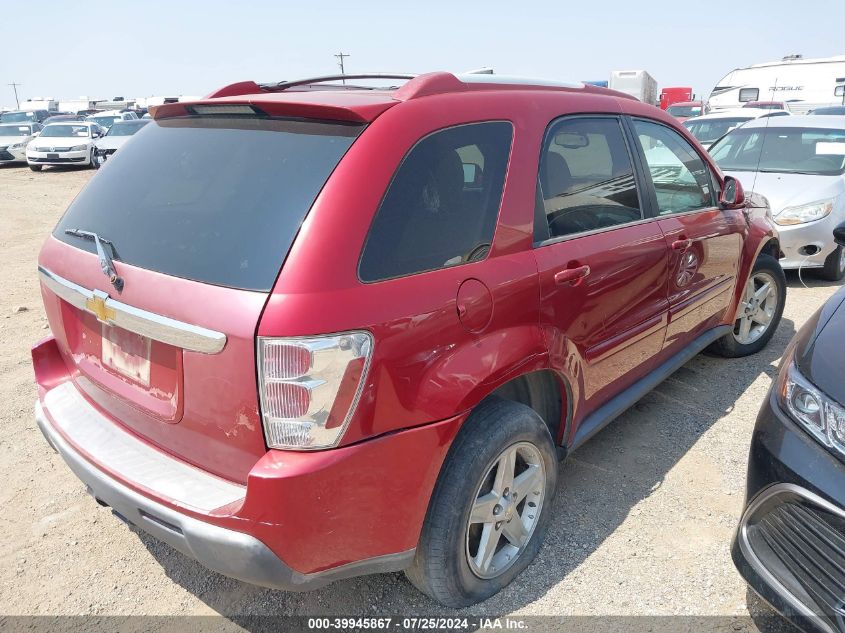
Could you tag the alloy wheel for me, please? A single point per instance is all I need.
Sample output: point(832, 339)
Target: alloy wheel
point(506, 509)
point(758, 306)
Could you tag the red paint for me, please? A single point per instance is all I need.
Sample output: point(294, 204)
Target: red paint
point(670, 96)
point(444, 340)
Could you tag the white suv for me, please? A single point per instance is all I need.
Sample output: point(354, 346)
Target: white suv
point(107, 118)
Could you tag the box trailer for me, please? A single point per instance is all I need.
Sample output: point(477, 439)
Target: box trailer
point(637, 83)
point(675, 94)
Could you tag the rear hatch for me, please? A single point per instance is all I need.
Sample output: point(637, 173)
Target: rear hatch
point(199, 213)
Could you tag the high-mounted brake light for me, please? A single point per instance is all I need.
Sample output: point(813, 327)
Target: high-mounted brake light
point(223, 109)
point(309, 387)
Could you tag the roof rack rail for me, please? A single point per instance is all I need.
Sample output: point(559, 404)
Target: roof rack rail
point(415, 85)
point(284, 85)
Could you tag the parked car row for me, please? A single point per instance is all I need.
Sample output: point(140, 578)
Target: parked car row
point(709, 128)
point(67, 141)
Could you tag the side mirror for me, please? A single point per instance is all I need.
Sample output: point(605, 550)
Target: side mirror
point(733, 196)
point(839, 234)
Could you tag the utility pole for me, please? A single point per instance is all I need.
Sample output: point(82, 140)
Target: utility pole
point(340, 57)
point(15, 88)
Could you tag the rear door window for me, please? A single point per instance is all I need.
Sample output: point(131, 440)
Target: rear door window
point(441, 207)
point(586, 177)
point(213, 199)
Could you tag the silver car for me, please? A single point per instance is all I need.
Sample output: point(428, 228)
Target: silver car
point(798, 164)
point(115, 138)
point(14, 138)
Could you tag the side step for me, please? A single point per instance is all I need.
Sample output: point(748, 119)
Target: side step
point(617, 405)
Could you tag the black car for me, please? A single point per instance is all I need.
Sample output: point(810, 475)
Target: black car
point(790, 544)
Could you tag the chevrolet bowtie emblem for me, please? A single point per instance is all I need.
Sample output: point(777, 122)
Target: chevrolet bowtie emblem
point(96, 305)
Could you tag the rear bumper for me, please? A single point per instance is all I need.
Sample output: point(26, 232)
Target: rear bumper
point(231, 553)
point(791, 538)
point(302, 521)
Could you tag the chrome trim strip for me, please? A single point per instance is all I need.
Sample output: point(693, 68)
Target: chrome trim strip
point(155, 326)
point(108, 446)
point(757, 564)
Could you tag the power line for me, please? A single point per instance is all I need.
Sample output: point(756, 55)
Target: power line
point(340, 57)
point(15, 88)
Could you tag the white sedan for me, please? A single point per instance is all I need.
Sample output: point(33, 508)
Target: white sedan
point(14, 137)
point(710, 128)
point(64, 144)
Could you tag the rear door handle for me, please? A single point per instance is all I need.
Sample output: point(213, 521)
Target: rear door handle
point(681, 245)
point(571, 275)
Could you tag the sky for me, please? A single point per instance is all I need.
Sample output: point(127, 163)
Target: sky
point(151, 47)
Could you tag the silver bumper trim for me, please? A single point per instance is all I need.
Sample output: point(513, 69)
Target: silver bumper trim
point(759, 566)
point(149, 324)
point(131, 459)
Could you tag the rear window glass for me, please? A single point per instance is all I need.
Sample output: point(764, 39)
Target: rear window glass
point(216, 200)
point(441, 208)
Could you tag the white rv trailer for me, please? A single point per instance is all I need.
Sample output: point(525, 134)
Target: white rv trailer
point(637, 83)
point(803, 84)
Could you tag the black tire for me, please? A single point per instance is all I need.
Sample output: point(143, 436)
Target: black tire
point(441, 568)
point(36, 167)
point(834, 266)
point(728, 346)
point(93, 164)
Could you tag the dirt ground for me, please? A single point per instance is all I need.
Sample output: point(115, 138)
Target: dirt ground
point(642, 523)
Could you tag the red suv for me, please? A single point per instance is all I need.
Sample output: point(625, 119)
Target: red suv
point(306, 331)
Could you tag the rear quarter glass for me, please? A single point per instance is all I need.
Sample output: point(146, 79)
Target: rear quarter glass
point(212, 199)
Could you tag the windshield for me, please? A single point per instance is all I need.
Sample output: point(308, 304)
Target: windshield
point(104, 121)
point(815, 151)
point(830, 110)
point(126, 128)
point(765, 106)
point(214, 199)
point(16, 117)
point(679, 110)
point(15, 130)
point(709, 130)
point(60, 129)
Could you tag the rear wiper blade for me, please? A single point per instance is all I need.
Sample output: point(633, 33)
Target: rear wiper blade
point(106, 262)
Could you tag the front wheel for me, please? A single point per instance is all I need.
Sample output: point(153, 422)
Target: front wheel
point(834, 265)
point(490, 509)
point(759, 311)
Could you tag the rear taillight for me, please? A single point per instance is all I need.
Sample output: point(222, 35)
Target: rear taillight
point(309, 387)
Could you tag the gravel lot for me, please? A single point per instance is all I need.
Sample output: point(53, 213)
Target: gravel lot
point(642, 524)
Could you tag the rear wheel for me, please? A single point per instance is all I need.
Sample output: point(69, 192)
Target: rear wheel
point(36, 167)
point(490, 509)
point(759, 311)
point(834, 265)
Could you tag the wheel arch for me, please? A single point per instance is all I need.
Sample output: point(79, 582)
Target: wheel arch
point(547, 393)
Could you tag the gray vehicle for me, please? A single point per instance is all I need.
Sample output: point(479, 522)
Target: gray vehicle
point(115, 138)
point(14, 137)
point(24, 116)
point(798, 164)
point(829, 111)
